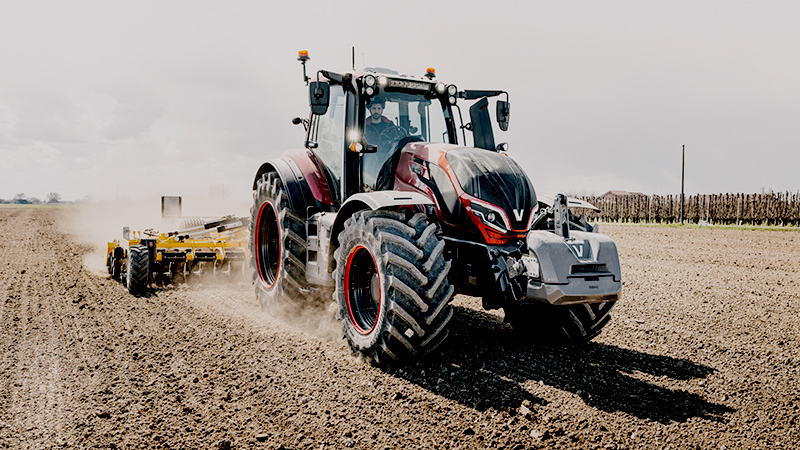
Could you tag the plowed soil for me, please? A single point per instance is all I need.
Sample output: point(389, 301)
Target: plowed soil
point(702, 352)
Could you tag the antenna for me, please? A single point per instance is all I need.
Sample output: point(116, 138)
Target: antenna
point(354, 58)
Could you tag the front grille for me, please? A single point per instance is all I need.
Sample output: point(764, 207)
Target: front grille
point(588, 269)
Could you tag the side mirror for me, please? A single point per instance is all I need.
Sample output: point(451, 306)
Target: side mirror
point(319, 97)
point(503, 114)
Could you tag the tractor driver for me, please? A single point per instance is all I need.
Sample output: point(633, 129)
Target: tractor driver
point(378, 131)
point(376, 123)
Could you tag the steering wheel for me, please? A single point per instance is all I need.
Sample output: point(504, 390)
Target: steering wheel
point(391, 136)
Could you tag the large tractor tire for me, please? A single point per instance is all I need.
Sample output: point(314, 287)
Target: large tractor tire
point(138, 273)
point(559, 324)
point(277, 247)
point(391, 286)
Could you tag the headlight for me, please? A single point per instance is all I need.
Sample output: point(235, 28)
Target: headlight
point(440, 87)
point(452, 90)
point(369, 80)
point(490, 215)
point(354, 136)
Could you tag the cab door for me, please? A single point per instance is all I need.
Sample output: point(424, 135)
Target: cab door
point(326, 139)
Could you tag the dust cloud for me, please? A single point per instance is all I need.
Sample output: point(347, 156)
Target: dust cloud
point(316, 317)
point(97, 223)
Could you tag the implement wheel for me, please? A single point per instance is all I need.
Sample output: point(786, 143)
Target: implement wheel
point(114, 262)
point(277, 247)
point(137, 277)
point(392, 286)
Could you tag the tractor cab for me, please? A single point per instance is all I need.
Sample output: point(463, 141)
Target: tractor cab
point(359, 121)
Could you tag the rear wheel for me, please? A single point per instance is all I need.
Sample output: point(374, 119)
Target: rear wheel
point(391, 285)
point(559, 324)
point(277, 246)
point(138, 269)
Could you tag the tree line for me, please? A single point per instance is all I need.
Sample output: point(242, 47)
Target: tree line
point(770, 208)
point(22, 199)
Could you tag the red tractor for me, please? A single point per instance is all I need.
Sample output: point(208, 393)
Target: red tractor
point(390, 210)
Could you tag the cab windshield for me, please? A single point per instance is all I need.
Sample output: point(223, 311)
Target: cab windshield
point(392, 119)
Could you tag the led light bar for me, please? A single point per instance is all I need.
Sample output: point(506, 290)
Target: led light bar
point(409, 84)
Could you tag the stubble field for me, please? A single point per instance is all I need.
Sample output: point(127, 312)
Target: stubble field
point(702, 352)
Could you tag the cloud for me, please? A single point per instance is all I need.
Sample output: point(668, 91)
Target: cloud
point(46, 116)
point(133, 116)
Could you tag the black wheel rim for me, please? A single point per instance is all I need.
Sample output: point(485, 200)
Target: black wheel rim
point(363, 294)
point(268, 246)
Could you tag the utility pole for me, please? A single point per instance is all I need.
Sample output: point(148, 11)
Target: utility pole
point(683, 166)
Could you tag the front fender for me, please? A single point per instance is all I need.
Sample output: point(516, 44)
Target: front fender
point(374, 201)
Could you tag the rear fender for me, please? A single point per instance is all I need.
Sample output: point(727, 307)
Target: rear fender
point(304, 182)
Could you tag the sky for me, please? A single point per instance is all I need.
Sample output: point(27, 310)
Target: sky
point(127, 100)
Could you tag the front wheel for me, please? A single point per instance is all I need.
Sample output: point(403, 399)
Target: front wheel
point(391, 286)
point(559, 324)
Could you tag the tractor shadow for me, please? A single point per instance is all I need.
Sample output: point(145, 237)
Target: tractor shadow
point(482, 366)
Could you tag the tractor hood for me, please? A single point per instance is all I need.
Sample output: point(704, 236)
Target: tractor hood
point(497, 179)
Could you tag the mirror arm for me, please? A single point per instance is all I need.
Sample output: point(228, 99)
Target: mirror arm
point(461, 119)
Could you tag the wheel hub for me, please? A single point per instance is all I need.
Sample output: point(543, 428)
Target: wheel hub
point(375, 288)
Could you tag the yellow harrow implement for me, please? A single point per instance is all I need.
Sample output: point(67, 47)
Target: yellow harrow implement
point(215, 248)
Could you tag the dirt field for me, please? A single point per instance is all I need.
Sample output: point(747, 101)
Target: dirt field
point(701, 353)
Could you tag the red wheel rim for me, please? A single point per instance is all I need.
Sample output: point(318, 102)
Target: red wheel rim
point(268, 245)
point(362, 290)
